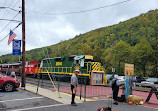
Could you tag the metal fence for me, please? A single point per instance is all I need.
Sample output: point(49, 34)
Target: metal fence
point(61, 84)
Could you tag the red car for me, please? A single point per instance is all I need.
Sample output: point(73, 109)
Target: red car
point(8, 83)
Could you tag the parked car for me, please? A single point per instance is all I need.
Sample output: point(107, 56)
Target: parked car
point(149, 82)
point(109, 77)
point(8, 84)
point(121, 79)
point(138, 79)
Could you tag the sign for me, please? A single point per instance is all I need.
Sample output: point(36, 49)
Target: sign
point(89, 57)
point(129, 69)
point(16, 47)
point(58, 63)
point(97, 78)
point(113, 69)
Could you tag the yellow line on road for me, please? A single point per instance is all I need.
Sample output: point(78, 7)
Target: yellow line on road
point(76, 97)
point(31, 85)
point(150, 107)
point(19, 90)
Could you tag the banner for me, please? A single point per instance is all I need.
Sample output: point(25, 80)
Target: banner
point(16, 47)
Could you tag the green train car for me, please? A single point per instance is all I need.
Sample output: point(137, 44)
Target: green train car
point(66, 65)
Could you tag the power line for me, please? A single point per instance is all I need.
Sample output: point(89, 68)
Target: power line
point(9, 23)
point(9, 33)
point(4, 3)
point(82, 11)
point(7, 10)
point(11, 9)
point(11, 20)
point(5, 14)
point(16, 3)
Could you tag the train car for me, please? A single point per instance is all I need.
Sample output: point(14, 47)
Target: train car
point(13, 67)
point(30, 67)
point(66, 65)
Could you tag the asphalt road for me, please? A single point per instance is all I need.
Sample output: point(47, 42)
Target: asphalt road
point(39, 103)
point(89, 106)
point(22, 99)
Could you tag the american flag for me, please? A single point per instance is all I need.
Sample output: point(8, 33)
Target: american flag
point(11, 37)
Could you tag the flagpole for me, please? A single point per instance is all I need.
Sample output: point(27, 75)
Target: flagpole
point(23, 45)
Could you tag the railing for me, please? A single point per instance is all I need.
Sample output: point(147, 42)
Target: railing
point(89, 67)
point(55, 70)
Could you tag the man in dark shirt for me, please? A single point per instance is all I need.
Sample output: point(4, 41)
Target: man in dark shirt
point(8, 73)
point(115, 89)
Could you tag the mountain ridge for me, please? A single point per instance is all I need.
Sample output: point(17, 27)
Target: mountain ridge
point(116, 44)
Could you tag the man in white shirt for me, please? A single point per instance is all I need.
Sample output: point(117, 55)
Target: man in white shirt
point(74, 83)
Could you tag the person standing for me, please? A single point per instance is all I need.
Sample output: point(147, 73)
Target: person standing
point(8, 72)
point(13, 75)
point(74, 83)
point(115, 89)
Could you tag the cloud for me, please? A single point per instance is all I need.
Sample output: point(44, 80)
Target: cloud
point(44, 30)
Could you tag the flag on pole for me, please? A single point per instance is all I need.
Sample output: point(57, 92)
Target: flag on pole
point(12, 35)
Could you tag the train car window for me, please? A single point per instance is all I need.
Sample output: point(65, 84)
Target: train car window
point(58, 59)
point(82, 63)
point(41, 65)
point(76, 61)
point(31, 62)
point(85, 66)
point(63, 58)
point(44, 61)
point(71, 58)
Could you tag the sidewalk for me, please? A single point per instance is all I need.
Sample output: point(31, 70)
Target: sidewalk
point(62, 97)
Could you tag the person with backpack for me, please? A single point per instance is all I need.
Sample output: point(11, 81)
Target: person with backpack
point(115, 89)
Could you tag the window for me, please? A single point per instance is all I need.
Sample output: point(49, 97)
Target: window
point(77, 61)
point(45, 61)
point(58, 59)
point(71, 58)
point(85, 66)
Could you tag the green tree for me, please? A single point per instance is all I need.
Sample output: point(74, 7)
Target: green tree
point(143, 54)
point(121, 53)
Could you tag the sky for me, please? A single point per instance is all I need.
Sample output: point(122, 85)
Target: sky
point(49, 22)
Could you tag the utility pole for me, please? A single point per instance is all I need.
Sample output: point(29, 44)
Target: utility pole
point(23, 45)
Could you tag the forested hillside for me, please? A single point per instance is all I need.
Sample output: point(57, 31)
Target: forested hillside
point(133, 41)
